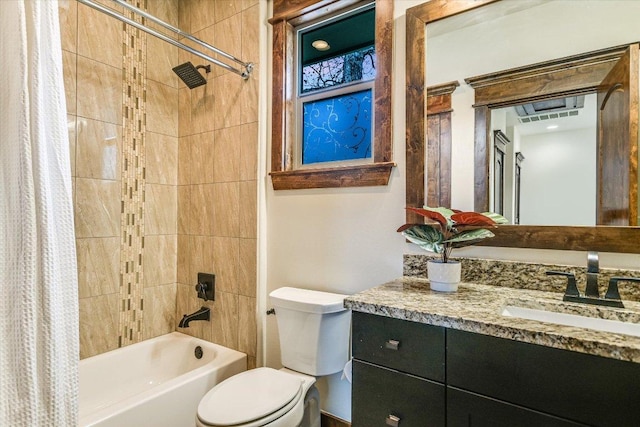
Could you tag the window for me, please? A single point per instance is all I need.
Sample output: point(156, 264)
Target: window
point(331, 117)
point(335, 75)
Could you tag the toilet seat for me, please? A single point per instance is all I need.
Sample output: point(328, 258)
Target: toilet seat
point(251, 399)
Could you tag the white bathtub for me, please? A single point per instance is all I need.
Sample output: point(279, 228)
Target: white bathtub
point(158, 382)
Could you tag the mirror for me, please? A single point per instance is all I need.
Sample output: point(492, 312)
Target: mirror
point(543, 162)
point(477, 36)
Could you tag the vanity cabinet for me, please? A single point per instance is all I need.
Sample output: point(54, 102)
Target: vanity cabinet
point(398, 373)
point(412, 374)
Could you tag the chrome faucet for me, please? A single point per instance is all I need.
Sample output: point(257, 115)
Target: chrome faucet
point(591, 289)
point(203, 314)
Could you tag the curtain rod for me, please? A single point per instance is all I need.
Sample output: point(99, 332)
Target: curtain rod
point(248, 66)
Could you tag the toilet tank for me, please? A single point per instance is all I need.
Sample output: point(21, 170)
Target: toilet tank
point(314, 329)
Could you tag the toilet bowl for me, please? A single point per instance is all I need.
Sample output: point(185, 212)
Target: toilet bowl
point(262, 397)
point(314, 331)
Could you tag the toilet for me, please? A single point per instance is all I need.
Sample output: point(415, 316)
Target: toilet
point(314, 330)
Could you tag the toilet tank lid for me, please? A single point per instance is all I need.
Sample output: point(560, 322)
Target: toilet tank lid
point(308, 301)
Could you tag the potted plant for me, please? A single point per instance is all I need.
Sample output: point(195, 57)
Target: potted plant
point(443, 231)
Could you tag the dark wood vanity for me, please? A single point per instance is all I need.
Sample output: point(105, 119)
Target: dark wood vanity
point(413, 374)
point(424, 358)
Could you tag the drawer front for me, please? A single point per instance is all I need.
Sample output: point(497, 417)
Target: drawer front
point(383, 397)
point(471, 410)
point(593, 390)
point(406, 346)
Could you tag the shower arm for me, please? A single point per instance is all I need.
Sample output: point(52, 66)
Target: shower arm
point(248, 66)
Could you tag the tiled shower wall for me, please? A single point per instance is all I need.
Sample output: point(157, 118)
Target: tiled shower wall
point(217, 182)
point(130, 292)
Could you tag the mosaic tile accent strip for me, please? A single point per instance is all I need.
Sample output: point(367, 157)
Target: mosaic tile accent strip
point(521, 275)
point(133, 181)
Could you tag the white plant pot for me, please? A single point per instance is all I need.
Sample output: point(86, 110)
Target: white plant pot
point(443, 277)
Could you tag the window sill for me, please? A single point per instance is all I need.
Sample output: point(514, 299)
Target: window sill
point(338, 177)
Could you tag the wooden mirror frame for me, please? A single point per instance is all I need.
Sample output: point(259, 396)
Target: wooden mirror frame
point(601, 238)
point(287, 14)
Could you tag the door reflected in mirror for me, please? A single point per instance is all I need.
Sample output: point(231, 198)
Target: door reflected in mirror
point(544, 162)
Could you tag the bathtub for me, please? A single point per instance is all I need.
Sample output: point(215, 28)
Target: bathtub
point(158, 382)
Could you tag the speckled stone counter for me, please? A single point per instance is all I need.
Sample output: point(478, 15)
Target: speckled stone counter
point(477, 308)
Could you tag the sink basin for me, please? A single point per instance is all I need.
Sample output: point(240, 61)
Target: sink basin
point(605, 325)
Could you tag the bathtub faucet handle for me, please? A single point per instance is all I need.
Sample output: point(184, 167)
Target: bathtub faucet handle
point(206, 286)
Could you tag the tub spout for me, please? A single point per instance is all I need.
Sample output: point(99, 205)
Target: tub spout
point(203, 314)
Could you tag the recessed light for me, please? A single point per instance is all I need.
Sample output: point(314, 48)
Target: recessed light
point(551, 127)
point(321, 45)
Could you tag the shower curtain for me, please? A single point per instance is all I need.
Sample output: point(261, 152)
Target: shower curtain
point(38, 278)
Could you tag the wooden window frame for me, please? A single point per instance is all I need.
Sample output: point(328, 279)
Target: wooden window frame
point(288, 14)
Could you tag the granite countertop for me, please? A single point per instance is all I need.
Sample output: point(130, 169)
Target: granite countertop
point(477, 308)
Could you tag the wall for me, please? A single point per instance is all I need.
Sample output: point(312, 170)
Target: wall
point(556, 164)
point(217, 176)
point(187, 200)
point(118, 272)
point(338, 240)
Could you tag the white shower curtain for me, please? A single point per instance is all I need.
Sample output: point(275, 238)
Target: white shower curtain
point(38, 278)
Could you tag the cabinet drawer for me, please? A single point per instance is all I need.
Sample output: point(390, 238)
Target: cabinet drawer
point(380, 393)
point(406, 346)
point(593, 390)
point(471, 410)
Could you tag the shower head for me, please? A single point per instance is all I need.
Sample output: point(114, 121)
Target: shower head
point(190, 74)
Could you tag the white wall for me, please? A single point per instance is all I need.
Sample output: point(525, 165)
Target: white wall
point(344, 240)
point(558, 178)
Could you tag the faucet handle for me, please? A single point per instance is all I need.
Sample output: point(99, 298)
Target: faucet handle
point(612, 290)
point(572, 288)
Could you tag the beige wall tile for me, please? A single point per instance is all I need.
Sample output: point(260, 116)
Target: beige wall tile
point(161, 155)
point(228, 38)
point(167, 10)
point(162, 109)
point(227, 8)
point(249, 152)
point(99, 150)
point(251, 34)
point(226, 154)
point(203, 104)
point(184, 15)
point(251, 363)
point(184, 160)
point(98, 266)
point(237, 100)
point(70, 80)
point(226, 258)
point(159, 312)
point(68, 14)
point(202, 14)
point(161, 58)
point(248, 209)
point(201, 210)
point(99, 91)
point(71, 127)
point(105, 48)
point(247, 267)
point(202, 165)
point(184, 260)
point(98, 325)
point(225, 207)
point(184, 211)
point(161, 216)
point(97, 208)
point(201, 258)
point(160, 260)
point(185, 127)
point(247, 333)
point(224, 320)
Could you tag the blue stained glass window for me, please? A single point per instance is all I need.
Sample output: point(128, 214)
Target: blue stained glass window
point(337, 128)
